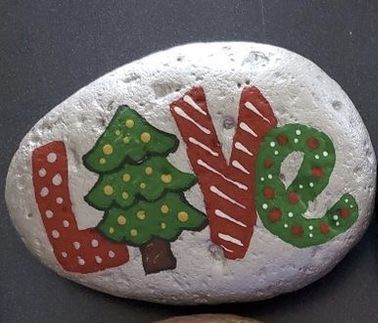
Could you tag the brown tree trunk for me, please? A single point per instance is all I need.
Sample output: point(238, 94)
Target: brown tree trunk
point(157, 256)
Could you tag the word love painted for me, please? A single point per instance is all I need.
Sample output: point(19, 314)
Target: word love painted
point(142, 194)
point(250, 183)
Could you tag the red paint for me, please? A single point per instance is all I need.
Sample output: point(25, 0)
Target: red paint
point(76, 250)
point(344, 212)
point(275, 215)
point(209, 179)
point(269, 193)
point(313, 143)
point(293, 198)
point(282, 140)
point(317, 172)
point(268, 163)
point(324, 228)
point(297, 230)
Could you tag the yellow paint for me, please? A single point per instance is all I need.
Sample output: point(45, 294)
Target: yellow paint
point(183, 216)
point(148, 170)
point(126, 177)
point(142, 185)
point(145, 137)
point(164, 209)
point(102, 161)
point(166, 178)
point(111, 230)
point(126, 140)
point(121, 220)
point(141, 215)
point(107, 149)
point(108, 190)
point(163, 225)
point(129, 123)
point(125, 195)
point(133, 232)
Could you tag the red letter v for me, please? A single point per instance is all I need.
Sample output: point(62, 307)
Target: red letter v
point(228, 189)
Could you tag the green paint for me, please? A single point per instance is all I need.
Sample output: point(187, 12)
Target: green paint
point(286, 219)
point(135, 176)
point(124, 135)
point(148, 181)
point(160, 218)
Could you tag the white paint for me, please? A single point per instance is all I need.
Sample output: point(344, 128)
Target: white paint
point(42, 172)
point(44, 192)
point(49, 214)
point(51, 158)
point(182, 114)
point(76, 245)
point(297, 90)
point(191, 102)
point(228, 217)
point(228, 250)
point(221, 194)
point(55, 234)
point(244, 149)
point(80, 261)
point(239, 166)
point(228, 238)
point(57, 180)
point(248, 129)
point(211, 169)
point(204, 147)
point(251, 107)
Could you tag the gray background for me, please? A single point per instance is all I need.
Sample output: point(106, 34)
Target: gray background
point(50, 49)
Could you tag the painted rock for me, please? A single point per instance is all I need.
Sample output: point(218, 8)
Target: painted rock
point(205, 173)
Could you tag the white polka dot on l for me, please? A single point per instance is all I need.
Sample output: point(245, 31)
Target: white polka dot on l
point(57, 180)
point(111, 254)
point(55, 234)
point(49, 214)
point(80, 261)
point(51, 157)
point(44, 192)
point(42, 172)
point(66, 224)
point(94, 243)
point(59, 200)
point(64, 254)
point(98, 259)
point(76, 245)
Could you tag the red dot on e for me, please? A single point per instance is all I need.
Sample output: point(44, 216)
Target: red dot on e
point(293, 198)
point(344, 212)
point(268, 163)
point(313, 143)
point(269, 193)
point(324, 228)
point(282, 140)
point(275, 215)
point(297, 230)
point(317, 172)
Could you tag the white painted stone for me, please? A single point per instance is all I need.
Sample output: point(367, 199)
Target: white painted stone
point(297, 90)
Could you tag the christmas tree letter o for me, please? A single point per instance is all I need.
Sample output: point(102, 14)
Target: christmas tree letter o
point(140, 192)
